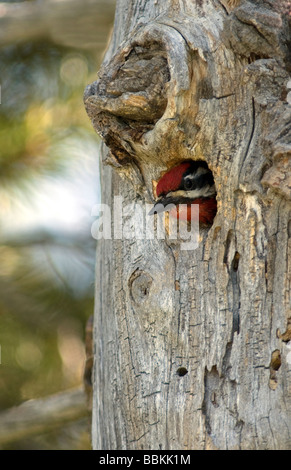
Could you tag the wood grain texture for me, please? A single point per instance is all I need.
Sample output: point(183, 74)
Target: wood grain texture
point(187, 342)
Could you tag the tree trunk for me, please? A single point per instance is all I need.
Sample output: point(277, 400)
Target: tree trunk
point(192, 346)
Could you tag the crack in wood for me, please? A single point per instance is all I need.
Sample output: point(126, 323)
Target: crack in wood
point(236, 294)
point(223, 96)
point(253, 116)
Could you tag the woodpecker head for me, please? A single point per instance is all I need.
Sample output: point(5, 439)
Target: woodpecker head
point(188, 183)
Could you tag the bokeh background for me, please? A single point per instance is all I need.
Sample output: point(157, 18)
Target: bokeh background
point(49, 181)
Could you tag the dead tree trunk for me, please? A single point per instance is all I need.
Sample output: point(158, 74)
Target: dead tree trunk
point(192, 347)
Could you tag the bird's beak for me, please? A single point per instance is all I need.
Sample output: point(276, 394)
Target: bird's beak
point(163, 204)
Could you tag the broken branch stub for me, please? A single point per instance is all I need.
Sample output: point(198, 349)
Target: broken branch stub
point(129, 97)
point(137, 87)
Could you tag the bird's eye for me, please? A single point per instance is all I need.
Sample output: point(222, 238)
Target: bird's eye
point(188, 184)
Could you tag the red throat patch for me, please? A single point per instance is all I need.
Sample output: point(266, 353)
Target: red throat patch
point(171, 180)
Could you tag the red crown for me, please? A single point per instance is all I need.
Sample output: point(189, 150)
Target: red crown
point(172, 179)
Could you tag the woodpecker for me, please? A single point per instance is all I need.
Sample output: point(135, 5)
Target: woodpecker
point(188, 183)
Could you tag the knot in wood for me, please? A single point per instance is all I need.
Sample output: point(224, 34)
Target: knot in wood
point(129, 97)
point(139, 284)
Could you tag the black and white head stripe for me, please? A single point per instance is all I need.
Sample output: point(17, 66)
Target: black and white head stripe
point(196, 176)
point(197, 182)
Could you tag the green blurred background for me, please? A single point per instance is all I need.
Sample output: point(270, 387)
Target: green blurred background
point(49, 181)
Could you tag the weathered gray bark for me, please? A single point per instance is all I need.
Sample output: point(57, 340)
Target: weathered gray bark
point(192, 346)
